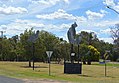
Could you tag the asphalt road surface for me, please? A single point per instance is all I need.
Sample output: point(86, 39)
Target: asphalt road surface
point(4, 79)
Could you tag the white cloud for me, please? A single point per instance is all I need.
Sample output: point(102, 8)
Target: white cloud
point(28, 24)
point(106, 31)
point(109, 40)
point(116, 7)
point(106, 23)
point(22, 21)
point(109, 2)
point(61, 14)
point(113, 4)
point(103, 11)
point(67, 1)
point(18, 26)
point(3, 27)
point(94, 15)
point(87, 30)
point(12, 10)
point(6, 0)
point(64, 36)
point(37, 6)
point(56, 28)
point(48, 2)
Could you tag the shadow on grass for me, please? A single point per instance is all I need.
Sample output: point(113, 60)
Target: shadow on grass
point(34, 67)
point(96, 76)
point(109, 76)
point(85, 76)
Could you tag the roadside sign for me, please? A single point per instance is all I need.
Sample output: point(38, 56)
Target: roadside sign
point(107, 50)
point(49, 53)
point(101, 61)
point(107, 61)
point(72, 54)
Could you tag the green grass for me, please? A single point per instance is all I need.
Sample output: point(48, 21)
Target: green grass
point(112, 64)
point(90, 73)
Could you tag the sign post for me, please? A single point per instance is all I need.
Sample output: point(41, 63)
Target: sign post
point(105, 69)
point(49, 53)
point(106, 55)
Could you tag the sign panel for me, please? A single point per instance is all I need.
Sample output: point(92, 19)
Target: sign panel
point(107, 50)
point(101, 61)
point(72, 54)
point(107, 61)
point(49, 53)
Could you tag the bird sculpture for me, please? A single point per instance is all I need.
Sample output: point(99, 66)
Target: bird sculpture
point(33, 37)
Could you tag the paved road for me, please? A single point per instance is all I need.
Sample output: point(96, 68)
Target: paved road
point(4, 79)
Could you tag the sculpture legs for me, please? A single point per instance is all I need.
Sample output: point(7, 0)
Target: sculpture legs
point(78, 54)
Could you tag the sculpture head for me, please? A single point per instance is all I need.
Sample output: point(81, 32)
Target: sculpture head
point(74, 25)
point(37, 32)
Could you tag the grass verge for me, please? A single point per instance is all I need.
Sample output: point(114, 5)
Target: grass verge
point(90, 73)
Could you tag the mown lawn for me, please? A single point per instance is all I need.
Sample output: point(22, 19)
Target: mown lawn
point(90, 73)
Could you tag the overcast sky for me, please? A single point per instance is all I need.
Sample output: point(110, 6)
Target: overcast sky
point(56, 16)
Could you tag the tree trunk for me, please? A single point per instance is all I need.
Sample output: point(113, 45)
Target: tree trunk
point(29, 63)
point(84, 62)
point(89, 62)
point(59, 60)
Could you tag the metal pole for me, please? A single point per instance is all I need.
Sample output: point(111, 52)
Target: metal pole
point(89, 59)
point(78, 53)
point(105, 69)
point(33, 55)
point(49, 63)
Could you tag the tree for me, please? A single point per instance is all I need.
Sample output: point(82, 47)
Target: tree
point(27, 46)
point(88, 39)
point(83, 50)
point(6, 48)
point(50, 42)
point(18, 48)
point(115, 36)
point(64, 52)
point(95, 54)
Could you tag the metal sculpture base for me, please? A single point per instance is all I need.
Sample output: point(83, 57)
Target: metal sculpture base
point(73, 68)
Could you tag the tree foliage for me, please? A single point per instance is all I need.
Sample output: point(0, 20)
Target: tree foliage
point(17, 48)
point(95, 54)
